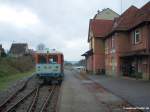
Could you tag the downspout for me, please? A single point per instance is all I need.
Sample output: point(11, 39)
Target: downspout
point(86, 58)
point(148, 49)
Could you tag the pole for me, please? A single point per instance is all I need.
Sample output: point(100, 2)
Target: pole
point(121, 6)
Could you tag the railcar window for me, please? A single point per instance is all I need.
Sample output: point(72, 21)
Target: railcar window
point(41, 59)
point(53, 59)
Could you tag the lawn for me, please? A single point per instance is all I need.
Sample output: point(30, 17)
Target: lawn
point(6, 81)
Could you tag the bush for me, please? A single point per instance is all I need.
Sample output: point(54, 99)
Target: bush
point(9, 65)
point(6, 69)
point(137, 75)
point(3, 54)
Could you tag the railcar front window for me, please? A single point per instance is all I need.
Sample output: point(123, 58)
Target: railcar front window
point(42, 59)
point(53, 59)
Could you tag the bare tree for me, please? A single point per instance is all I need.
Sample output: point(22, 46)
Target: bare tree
point(40, 46)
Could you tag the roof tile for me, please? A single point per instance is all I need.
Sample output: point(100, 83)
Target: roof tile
point(100, 27)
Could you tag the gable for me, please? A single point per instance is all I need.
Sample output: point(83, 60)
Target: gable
point(106, 14)
point(18, 48)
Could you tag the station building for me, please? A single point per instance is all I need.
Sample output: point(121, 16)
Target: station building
point(98, 28)
point(124, 48)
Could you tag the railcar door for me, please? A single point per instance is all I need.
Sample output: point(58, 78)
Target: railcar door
point(53, 65)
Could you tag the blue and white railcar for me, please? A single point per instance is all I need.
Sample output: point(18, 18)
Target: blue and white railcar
point(49, 65)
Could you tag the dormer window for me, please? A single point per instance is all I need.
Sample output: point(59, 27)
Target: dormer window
point(136, 36)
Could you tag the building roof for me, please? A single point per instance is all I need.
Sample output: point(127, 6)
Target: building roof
point(18, 48)
point(99, 27)
point(126, 19)
point(142, 15)
point(131, 18)
point(50, 51)
point(88, 53)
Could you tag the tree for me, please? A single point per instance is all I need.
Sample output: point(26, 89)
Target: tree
point(3, 53)
point(40, 46)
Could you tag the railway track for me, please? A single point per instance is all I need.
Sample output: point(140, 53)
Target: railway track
point(13, 107)
point(3, 105)
point(34, 97)
point(34, 104)
point(50, 100)
point(49, 96)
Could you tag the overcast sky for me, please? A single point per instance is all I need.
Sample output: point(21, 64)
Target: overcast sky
point(59, 24)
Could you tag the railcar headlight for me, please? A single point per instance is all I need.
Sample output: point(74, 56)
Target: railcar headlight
point(38, 66)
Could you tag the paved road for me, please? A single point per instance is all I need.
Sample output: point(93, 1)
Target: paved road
point(81, 95)
point(137, 92)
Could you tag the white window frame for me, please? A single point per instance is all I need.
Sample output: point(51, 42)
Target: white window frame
point(136, 33)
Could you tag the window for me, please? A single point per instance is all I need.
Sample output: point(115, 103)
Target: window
point(113, 42)
point(53, 59)
point(136, 36)
point(42, 59)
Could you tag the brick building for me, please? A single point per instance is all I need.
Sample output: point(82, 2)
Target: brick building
point(126, 44)
point(98, 27)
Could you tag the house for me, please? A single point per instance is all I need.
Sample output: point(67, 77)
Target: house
point(18, 49)
point(98, 28)
point(31, 52)
point(127, 46)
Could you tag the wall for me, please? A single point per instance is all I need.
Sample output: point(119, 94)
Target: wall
point(90, 63)
point(98, 54)
point(123, 45)
point(122, 42)
point(143, 41)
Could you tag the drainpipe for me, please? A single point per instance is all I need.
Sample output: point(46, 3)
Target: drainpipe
point(136, 67)
point(86, 59)
point(148, 49)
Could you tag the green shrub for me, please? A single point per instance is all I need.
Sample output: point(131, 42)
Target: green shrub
point(9, 65)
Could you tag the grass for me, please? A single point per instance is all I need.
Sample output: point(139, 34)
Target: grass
point(6, 81)
point(12, 69)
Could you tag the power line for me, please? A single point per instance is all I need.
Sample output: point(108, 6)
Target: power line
point(121, 3)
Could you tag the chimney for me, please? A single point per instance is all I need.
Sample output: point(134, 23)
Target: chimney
point(98, 11)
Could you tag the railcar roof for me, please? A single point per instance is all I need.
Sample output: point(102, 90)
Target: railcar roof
point(53, 51)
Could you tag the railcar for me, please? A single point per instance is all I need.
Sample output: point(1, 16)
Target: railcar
point(49, 65)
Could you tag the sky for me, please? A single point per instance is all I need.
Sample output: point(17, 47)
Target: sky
point(59, 24)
